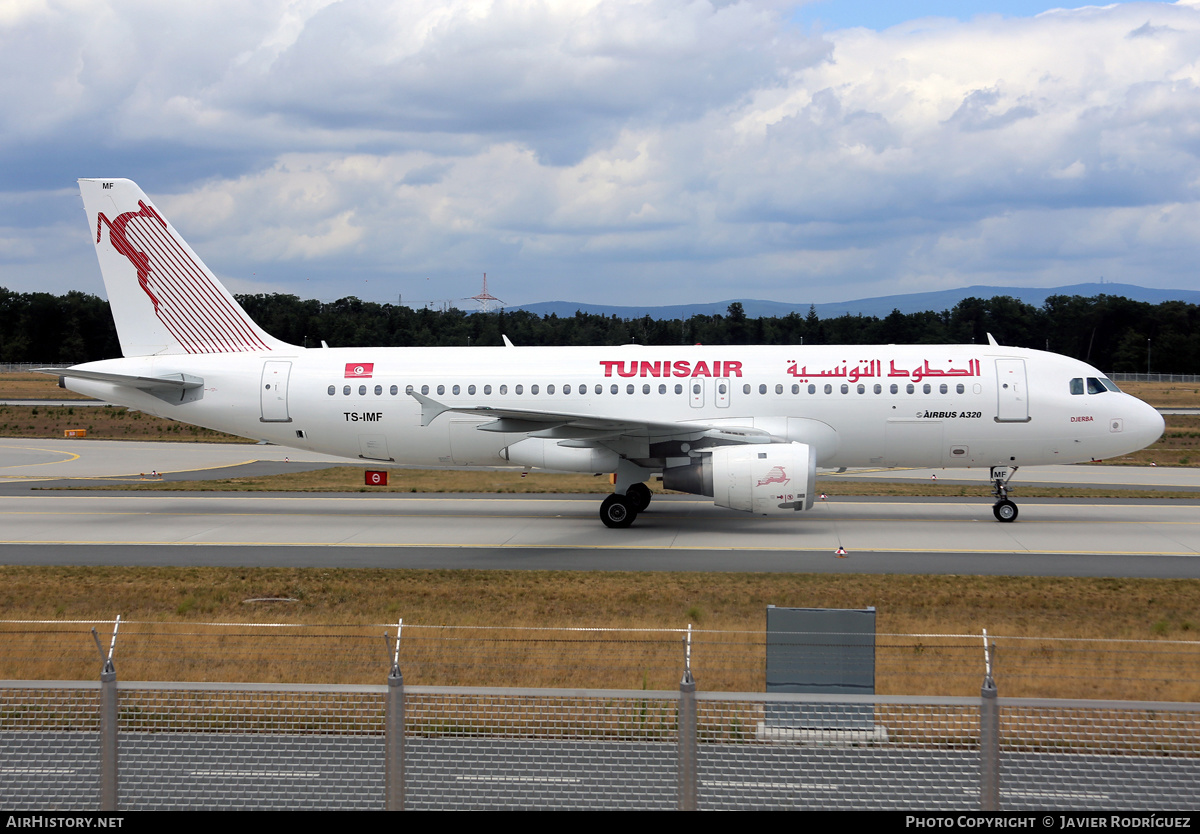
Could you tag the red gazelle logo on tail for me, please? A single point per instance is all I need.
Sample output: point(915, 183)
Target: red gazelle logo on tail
point(186, 298)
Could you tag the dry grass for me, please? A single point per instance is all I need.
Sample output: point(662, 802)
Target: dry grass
point(26, 386)
point(1179, 445)
point(350, 479)
point(1165, 394)
point(102, 423)
point(511, 628)
point(34, 387)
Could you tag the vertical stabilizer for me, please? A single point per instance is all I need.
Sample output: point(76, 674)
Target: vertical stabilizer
point(164, 299)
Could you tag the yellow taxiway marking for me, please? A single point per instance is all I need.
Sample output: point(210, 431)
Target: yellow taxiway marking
point(69, 456)
point(125, 476)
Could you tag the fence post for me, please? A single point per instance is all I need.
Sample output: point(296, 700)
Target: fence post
point(989, 735)
point(688, 748)
point(109, 798)
point(394, 733)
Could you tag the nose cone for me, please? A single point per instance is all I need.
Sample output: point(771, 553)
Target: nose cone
point(1144, 425)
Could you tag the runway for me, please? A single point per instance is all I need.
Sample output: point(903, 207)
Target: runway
point(1102, 537)
point(563, 533)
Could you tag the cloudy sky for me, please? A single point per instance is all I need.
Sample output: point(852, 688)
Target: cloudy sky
point(626, 152)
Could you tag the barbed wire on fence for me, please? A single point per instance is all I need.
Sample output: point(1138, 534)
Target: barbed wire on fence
point(621, 658)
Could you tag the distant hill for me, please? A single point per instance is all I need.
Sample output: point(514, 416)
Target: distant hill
point(881, 306)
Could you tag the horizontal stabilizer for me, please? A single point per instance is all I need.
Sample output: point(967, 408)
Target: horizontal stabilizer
point(171, 388)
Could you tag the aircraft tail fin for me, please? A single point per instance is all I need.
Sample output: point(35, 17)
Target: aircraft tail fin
point(164, 299)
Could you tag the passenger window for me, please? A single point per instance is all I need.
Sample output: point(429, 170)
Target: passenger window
point(678, 388)
point(629, 388)
point(695, 387)
point(746, 388)
point(550, 389)
point(519, 389)
point(762, 389)
point(862, 389)
point(346, 391)
point(895, 389)
point(533, 389)
point(812, 389)
point(503, 390)
point(828, 388)
point(362, 390)
point(927, 388)
point(778, 388)
point(909, 388)
point(960, 388)
point(795, 389)
point(662, 389)
point(878, 388)
point(646, 388)
point(614, 388)
point(845, 388)
point(944, 388)
point(567, 388)
point(332, 389)
point(457, 390)
point(408, 389)
point(394, 390)
point(487, 389)
point(471, 390)
point(378, 390)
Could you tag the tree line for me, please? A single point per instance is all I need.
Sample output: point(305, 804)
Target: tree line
point(1112, 333)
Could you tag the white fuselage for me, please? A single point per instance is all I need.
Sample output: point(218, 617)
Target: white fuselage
point(881, 405)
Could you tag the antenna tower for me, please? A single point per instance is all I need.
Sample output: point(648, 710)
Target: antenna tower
point(486, 301)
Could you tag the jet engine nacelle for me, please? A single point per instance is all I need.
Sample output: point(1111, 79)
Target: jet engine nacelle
point(767, 479)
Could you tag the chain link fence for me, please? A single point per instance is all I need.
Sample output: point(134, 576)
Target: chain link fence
point(106, 745)
point(326, 747)
point(1135, 377)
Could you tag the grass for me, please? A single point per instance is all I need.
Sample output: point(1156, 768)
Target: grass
point(350, 479)
point(510, 627)
point(18, 386)
point(501, 628)
point(1179, 445)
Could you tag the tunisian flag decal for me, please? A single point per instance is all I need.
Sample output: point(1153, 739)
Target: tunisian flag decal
point(359, 370)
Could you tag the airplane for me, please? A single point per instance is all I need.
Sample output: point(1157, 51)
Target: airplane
point(747, 426)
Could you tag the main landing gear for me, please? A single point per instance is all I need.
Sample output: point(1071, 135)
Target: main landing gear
point(1003, 509)
point(621, 510)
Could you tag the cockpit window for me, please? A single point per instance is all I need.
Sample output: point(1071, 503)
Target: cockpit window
point(1095, 386)
point(1077, 385)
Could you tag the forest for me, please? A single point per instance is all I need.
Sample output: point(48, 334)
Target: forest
point(1112, 333)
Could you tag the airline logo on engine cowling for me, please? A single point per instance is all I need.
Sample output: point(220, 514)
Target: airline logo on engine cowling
point(775, 475)
point(667, 368)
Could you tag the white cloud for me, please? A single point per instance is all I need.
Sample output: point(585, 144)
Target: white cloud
point(640, 152)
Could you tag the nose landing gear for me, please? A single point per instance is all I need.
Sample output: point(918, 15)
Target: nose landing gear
point(1004, 509)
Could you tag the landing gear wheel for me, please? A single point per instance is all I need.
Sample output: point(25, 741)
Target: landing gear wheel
point(617, 511)
point(1005, 510)
point(639, 496)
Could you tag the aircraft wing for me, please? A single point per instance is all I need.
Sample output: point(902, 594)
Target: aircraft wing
point(572, 426)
